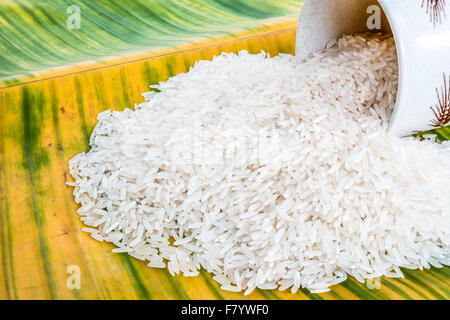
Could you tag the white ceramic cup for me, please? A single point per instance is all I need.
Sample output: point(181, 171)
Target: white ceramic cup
point(422, 37)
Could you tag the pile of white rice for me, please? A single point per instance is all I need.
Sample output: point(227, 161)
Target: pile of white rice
point(270, 174)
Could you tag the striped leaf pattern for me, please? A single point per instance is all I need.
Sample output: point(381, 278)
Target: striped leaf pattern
point(37, 35)
point(44, 123)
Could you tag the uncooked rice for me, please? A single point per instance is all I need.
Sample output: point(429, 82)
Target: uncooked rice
point(270, 174)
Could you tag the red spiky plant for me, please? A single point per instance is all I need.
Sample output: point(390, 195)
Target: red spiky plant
point(436, 10)
point(441, 110)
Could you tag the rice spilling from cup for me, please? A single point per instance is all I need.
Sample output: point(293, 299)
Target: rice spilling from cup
point(270, 174)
